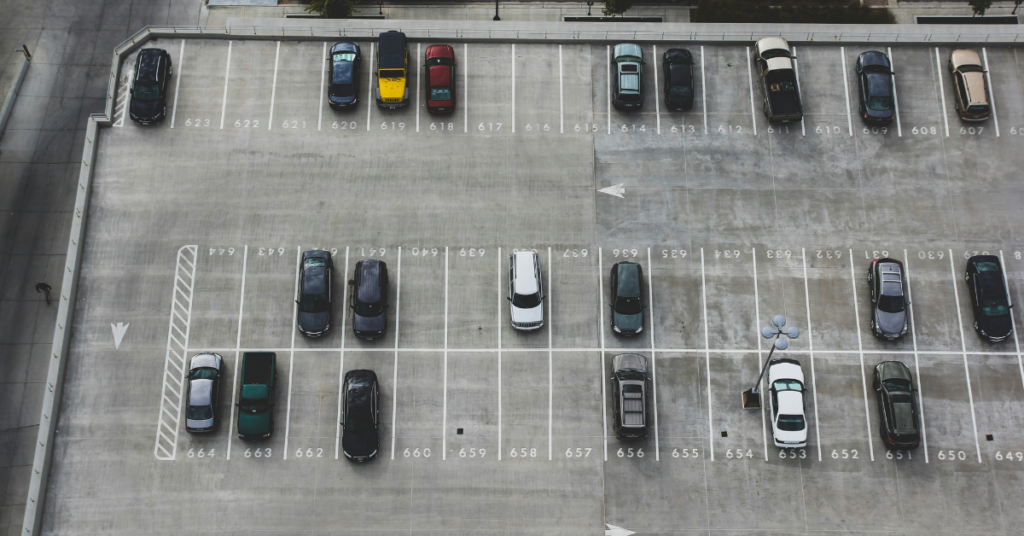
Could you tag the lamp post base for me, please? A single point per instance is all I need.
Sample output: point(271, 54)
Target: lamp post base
point(751, 400)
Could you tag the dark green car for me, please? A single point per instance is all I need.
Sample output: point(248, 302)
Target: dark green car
point(256, 397)
point(627, 298)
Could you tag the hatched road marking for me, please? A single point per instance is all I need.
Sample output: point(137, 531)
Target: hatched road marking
point(166, 447)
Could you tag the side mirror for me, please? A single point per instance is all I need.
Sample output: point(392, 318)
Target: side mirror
point(509, 298)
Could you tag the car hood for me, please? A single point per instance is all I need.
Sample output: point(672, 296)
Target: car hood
point(205, 423)
point(995, 326)
point(392, 88)
point(535, 314)
point(628, 322)
point(314, 321)
point(368, 323)
point(359, 443)
point(253, 423)
point(891, 323)
point(146, 108)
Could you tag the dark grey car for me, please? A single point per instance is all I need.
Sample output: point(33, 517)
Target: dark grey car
point(897, 405)
point(202, 408)
point(874, 76)
point(344, 73)
point(888, 285)
point(316, 274)
point(629, 396)
point(627, 298)
point(370, 299)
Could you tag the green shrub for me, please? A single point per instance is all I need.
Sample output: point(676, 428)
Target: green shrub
point(979, 6)
point(790, 11)
point(616, 7)
point(332, 9)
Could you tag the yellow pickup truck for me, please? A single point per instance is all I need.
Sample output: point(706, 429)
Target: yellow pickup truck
point(392, 70)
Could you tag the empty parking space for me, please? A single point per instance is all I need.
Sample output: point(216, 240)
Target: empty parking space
point(827, 70)
point(538, 82)
point(250, 85)
point(733, 96)
point(313, 401)
point(472, 420)
point(525, 415)
point(298, 90)
point(490, 88)
point(733, 429)
point(948, 408)
point(419, 419)
point(199, 82)
point(732, 321)
point(842, 412)
point(677, 318)
point(576, 407)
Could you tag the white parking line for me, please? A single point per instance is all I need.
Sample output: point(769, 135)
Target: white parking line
point(176, 359)
point(654, 365)
point(513, 88)
point(657, 100)
point(1013, 323)
point(704, 92)
point(757, 322)
point(707, 353)
point(291, 357)
point(609, 83)
point(394, 380)
point(369, 92)
point(323, 73)
point(444, 417)
point(849, 118)
point(803, 131)
point(341, 362)
point(810, 349)
point(600, 322)
point(942, 92)
point(917, 367)
point(177, 83)
point(895, 98)
point(227, 77)
point(561, 100)
point(860, 349)
point(465, 90)
point(501, 305)
point(238, 344)
point(418, 80)
point(273, 90)
point(551, 389)
point(963, 345)
point(991, 95)
point(750, 84)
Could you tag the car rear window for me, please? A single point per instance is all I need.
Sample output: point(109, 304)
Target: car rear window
point(440, 61)
point(978, 109)
point(199, 413)
point(791, 423)
point(880, 104)
point(440, 93)
point(891, 304)
point(627, 306)
point(343, 90)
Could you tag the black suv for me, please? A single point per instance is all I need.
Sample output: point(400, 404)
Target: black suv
point(370, 299)
point(627, 298)
point(896, 405)
point(989, 299)
point(149, 86)
point(629, 395)
point(678, 66)
point(888, 285)
point(627, 77)
point(316, 273)
point(346, 66)
point(360, 415)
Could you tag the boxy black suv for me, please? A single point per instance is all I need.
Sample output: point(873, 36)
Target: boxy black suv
point(369, 299)
point(316, 274)
point(989, 299)
point(149, 86)
point(360, 415)
point(629, 396)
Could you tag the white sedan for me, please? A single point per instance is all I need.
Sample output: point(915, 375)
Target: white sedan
point(786, 402)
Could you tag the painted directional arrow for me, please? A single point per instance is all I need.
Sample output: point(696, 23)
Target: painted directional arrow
point(119, 330)
point(616, 190)
point(616, 531)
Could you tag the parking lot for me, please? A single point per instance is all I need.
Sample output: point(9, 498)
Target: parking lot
point(197, 225)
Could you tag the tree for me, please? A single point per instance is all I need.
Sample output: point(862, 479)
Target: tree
point(979, 6)
point(617, 7)
point(336, 9)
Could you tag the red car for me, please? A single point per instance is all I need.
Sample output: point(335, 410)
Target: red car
point(440, 71)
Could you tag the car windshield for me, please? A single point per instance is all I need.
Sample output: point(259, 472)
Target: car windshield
point(203, 374)
point(199, 413)
point(146, 92)
point(896, 384)
point(526, 301)
point(993, 293)
point(392, 73)
point(978, 109)
point(891, 304)
point(970, 69)
point(440, 61)
point(788, 385)
point(344, 56)
point(343, 90)
point(629, 97)
point(680, 92)
point(313, 303)
point(791, 423)
point(627, 306)
point(440, 93)
point(630, 374)
point(775, 53)
point(880, 104)
point(369, 309)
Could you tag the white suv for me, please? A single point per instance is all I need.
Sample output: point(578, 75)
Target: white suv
point(786, 387)
point(525, 290)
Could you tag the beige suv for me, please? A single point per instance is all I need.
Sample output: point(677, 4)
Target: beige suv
point(969, 85)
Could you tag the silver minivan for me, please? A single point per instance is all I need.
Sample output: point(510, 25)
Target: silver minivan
point(525, 290)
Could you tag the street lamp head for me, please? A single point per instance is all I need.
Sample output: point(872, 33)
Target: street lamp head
point(767, 332)
point(779, 321)
point(781, 343)
point(792, 332)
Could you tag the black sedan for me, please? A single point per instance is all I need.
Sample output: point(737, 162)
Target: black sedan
point(677, 64)
point(149, 86)
point(360, 415)
point(874, 73)
point(989, 300)
point(897, 407)
point(344, 75)
point(888, 285)
point(315, 276)
point(627, 298)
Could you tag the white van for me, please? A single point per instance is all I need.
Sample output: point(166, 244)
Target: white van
point(525, 290)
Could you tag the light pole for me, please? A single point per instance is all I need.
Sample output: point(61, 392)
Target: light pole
point(751, 400)
point(380, 6)
point(496, 17)
point(590, 3)
point(1016, 4)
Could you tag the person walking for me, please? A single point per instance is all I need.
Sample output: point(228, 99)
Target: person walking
point(45, 289)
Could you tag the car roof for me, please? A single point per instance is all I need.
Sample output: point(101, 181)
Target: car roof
point(791, 402)
point(785, 369)
point(148, 60)
point(629, 279)
point(629, 82)
point(780, 63)
point(440, 76)
point(964, 56)
point(526, 283)
point(879, 85)
point(205, 360)
point(893, 369)
point(392, 50)
point(679, 55)
point(629, 362)
point(201, 393)
point(344, 46)
point(679, 74)
point(369, 280)
point(772, 43)
point(440, 51)
point(874, 57)
point(314, 280)
point(627, 49)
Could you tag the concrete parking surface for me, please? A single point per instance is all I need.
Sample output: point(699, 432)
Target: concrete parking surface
point(197, 225)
